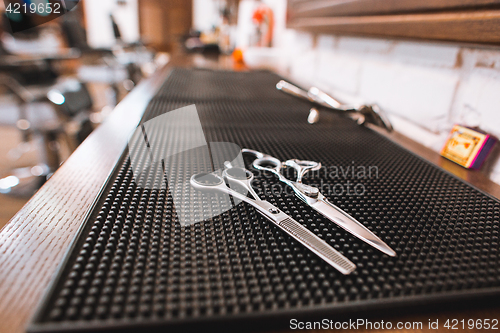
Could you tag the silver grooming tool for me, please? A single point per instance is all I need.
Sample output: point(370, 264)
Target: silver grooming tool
point(363, 114)
point(243, 177)
point(315, 199)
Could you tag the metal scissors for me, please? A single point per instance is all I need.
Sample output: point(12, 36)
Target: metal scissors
point(244, 178)
point(315, 199)
point(363, 114)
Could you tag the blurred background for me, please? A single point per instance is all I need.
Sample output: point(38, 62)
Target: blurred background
point(60, 79)
point(428, 64)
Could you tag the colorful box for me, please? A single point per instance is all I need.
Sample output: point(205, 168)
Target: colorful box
point(468, 147)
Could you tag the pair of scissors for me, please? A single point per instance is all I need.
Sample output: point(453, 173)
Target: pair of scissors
point(244, 178)
point(314, 198)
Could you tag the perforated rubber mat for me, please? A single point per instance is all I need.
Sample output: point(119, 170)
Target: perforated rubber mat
point(134, 264)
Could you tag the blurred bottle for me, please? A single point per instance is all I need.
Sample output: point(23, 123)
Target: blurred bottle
point(225, 40)
point(263, 18)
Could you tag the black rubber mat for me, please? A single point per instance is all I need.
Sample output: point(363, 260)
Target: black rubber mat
point(135, 265)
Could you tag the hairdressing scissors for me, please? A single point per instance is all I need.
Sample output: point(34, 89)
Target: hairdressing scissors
point(364, 113)
point(244, 178)
point(315, 199)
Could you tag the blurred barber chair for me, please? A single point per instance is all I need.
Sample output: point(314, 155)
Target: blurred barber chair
point(47, 109)
point(60, 114)
point(120, 66)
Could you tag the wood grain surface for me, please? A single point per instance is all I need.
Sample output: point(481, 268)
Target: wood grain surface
point(34, 242)
point(371, 7)
point(468, 26)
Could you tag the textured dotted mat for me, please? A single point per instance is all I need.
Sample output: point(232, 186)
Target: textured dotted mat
point(135, 265)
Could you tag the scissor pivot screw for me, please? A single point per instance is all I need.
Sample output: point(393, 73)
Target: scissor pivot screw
point(274, 210)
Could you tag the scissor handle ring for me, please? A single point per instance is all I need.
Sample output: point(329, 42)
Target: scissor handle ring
point(309, 165)
point(260, 163)
point(238, 174)
point(206, 180)
point(255, 153)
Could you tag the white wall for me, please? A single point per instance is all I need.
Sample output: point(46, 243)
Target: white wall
point(99, 27)
point(206, 14)
point(426, 87)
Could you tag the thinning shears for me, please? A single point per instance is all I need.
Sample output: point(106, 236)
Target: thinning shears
point(314, 198)
point(242, 177)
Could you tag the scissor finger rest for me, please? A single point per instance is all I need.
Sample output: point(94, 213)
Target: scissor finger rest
point(302, 167)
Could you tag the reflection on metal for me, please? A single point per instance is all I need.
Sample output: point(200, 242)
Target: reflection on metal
point(244, 178)
point(23, 182)
point(314, 198)
point(313, 117)
point(56, 97)
point(363, 114)
point(7, 183)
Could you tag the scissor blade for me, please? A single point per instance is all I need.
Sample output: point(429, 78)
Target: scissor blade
point(317, 245)
point(305, 237)
point(345, 221)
